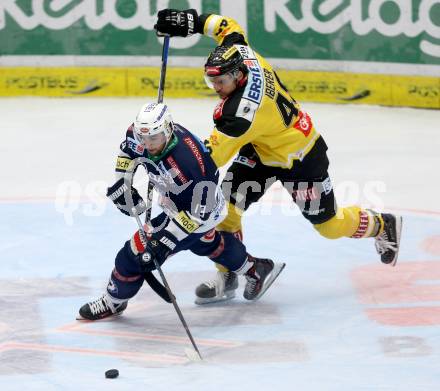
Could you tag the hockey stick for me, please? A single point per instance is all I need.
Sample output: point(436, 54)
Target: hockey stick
point(149, 204)
point(170, 294)
point(163, 69)
point(155, 285)
point(160, 92)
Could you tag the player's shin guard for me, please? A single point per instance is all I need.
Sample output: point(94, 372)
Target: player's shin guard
point(126, 278)
point(124, 282)
point(346, 223)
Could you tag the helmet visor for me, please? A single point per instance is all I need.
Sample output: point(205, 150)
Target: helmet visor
point(219, 81)
point(150, 141)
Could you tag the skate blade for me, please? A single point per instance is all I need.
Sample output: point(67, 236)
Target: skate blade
point(213, 300)
point(399, 221)
point(277, 269)
point(80, 318)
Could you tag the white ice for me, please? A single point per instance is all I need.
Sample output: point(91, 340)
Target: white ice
point(336, 319)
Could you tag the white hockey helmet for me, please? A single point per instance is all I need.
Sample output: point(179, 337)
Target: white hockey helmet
point(153, 118)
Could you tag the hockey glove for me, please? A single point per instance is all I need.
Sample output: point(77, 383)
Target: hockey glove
point(177, 23)
point(120, 194)
point(158, 247)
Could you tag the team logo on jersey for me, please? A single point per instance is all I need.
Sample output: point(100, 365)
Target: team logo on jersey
point(304, 123)
point(247, 109)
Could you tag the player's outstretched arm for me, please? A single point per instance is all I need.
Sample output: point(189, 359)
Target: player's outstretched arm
point(184, 23)
point(178, 23)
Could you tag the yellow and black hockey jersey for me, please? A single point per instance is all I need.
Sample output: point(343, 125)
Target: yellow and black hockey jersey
point(261, 112)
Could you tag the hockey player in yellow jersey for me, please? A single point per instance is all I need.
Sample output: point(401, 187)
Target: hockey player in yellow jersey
point(273, 139)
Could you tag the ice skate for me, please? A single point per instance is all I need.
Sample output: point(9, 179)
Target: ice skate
point(387, 243)
point(101, 308)
point(260, 277)
point(220, 289)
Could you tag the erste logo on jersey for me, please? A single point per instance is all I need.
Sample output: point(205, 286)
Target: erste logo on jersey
point(253, 93)
point(254, 86)
point(255, 82)
point(135, 146)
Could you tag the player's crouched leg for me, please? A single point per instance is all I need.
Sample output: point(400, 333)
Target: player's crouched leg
point(343, 224)
point(223, 286)
point(125, 281)
point(225, 249)
point(354, 222)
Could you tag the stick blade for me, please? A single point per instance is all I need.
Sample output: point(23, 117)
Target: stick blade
point(193, 355)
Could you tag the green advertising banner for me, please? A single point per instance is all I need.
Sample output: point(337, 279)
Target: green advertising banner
point(347, 51)
point(368, 31)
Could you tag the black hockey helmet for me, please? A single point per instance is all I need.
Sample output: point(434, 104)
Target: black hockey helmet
point(224, 59)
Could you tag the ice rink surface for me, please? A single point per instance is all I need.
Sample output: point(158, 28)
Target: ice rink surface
point(336, 319)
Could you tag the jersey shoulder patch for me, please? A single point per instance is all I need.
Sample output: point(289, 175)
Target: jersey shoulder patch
point(247, 109)
point(234, 116)
point(131, 146)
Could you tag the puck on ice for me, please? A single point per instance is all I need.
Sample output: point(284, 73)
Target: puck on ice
point(112, 374)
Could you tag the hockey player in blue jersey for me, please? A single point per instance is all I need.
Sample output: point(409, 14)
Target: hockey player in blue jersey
point(187, 180)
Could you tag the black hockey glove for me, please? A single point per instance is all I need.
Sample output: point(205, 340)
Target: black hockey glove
point(177, 23)
point(120, 194)
point(158, 247)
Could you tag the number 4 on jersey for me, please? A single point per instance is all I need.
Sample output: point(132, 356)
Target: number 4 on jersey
point(288, 111)
point(286, 108)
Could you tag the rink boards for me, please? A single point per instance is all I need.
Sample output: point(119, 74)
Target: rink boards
point(328, 87)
